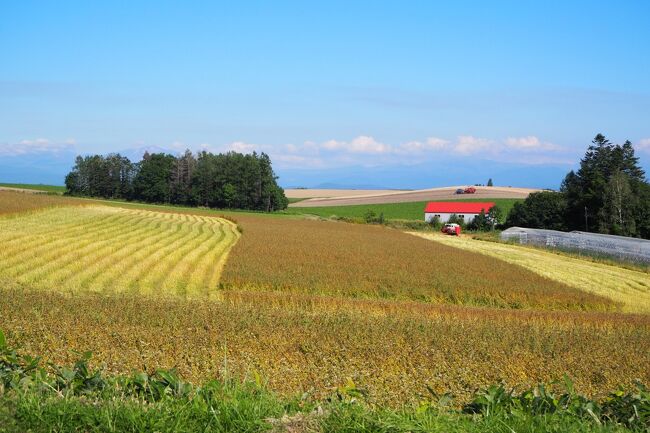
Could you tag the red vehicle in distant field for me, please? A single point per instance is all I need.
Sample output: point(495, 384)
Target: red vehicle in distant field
point(451, 229)
point(468, 190)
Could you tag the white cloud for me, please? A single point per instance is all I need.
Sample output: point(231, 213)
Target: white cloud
point(333, 145)
point(436, 143)
point(360, 144)
point(431, 143)
point(468, 144)
point(367, 144)
point(366, 150)
point(38, 145)
point(530, 143)
point(241, 147)
point(644, 145)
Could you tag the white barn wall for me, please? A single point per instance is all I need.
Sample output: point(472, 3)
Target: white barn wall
point(444, 217)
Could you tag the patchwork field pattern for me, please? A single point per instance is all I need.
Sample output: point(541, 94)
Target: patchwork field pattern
point(628, 287)
point(110, 249)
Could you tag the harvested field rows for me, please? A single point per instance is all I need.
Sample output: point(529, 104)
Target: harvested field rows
point(364, 261)
point(628, 287)
point(109, 249)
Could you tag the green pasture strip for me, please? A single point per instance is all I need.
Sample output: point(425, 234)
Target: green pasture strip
point(404, 211)
point(36, 186)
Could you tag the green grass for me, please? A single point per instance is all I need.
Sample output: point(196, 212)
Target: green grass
point(404, 211)
point(80, 398)
point(296, 200)
point(253, 412)
point(36, 187)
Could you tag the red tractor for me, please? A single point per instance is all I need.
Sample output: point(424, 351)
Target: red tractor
point(469, 190)
point(451, 229)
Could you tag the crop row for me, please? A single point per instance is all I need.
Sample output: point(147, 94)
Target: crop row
point(109, 249)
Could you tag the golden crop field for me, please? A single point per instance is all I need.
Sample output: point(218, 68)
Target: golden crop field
point(630, 288)
point(12, 202)
point(355, 260)
point(110, 249)
point(306, 343)
point(304, 304)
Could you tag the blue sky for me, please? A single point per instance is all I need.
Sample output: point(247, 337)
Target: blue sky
point(336, 92)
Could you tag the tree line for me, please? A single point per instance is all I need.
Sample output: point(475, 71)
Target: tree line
point(229, 180)
point(608, 194)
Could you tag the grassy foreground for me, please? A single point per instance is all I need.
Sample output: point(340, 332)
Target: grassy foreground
point(80, 398)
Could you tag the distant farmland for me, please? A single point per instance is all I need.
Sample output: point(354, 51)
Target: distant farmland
point(34, 187)
point(403, 211)
point(364, 197)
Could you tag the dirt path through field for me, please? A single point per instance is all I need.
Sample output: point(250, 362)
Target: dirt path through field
point(630, 288)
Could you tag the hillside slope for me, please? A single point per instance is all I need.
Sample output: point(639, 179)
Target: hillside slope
point(446, 193)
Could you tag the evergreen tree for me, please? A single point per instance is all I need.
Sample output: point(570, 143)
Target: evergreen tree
point(153, 180)
point(230, 180)
point(617, 215)
point(540, 210)
point(586, 190)
point(181, 178)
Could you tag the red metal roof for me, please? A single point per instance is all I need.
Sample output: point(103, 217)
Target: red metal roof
point(457, 207)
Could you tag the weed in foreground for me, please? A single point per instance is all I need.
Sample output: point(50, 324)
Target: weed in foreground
point(81, 398)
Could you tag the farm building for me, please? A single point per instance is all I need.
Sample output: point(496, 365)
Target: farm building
point(465, 210)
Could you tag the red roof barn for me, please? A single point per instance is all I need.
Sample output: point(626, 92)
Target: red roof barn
point(463, 209)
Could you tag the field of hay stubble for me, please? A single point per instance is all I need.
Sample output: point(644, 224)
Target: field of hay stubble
point(99, 248)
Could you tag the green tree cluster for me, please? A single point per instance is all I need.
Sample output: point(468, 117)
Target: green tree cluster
point(486, 221)
point(608, 194)
point(231, 180)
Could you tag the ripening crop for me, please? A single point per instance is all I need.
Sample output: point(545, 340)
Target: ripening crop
point(630, 288)
point(13, 202)
point(305, 305)
point(115, 250)
point(364, 261)
point(305, 343)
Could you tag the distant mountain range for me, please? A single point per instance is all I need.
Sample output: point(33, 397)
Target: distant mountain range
point(427, 175)
point(52, 168)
